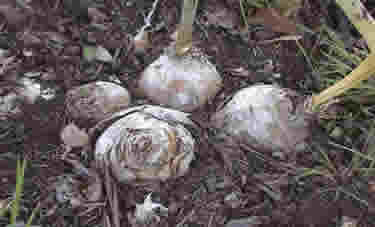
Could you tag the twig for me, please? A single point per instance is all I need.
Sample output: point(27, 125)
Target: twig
point(282, 38)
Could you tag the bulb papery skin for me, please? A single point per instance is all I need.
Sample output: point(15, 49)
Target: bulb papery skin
point(96, 101)
point(263, 116)
point(180, 82)
point(146, 143)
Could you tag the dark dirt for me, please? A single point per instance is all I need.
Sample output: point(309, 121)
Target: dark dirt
point(55, 31)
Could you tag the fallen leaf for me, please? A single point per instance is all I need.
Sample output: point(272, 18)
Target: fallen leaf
point(73, 136)
point(271, 19)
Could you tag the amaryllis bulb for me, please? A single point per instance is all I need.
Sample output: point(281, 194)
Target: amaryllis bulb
point(146, 143)
point(264, 116)
point(95, 101)
point(180, 82)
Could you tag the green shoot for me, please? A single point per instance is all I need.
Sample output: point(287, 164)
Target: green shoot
point(31, 218)
point(318, 171)
point(19, 190)
point(13, 206)
point(185, 30)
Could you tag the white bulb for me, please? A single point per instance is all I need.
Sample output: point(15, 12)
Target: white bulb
point(263, 116)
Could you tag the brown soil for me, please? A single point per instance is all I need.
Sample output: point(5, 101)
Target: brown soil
point(265, 186)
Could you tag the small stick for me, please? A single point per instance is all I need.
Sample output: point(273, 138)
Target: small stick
point(282, 38)
point(148, 20)
point(149, 16)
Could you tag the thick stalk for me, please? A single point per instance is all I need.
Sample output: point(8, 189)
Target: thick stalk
point(363, 72)
point(185, 28)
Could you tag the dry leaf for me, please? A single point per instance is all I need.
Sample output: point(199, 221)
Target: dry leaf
point(271, 19)
point(73, 136)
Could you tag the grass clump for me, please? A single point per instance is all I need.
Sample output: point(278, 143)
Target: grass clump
point(12, 207)
point(333, 64)
point(350, 181)
point(346, 71)
point(365, 24)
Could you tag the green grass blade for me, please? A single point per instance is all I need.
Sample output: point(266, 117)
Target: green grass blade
point(308, 59)
point(307, 172)
point(19, 190)
point(28, 224)
point(327, 162)
point(354, 196)
point(185, 30)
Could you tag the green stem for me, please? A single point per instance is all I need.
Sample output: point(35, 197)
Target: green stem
point(363, 72)
point(185, 29)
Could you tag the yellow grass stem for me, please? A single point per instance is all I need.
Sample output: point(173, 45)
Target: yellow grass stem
point(363, 72)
